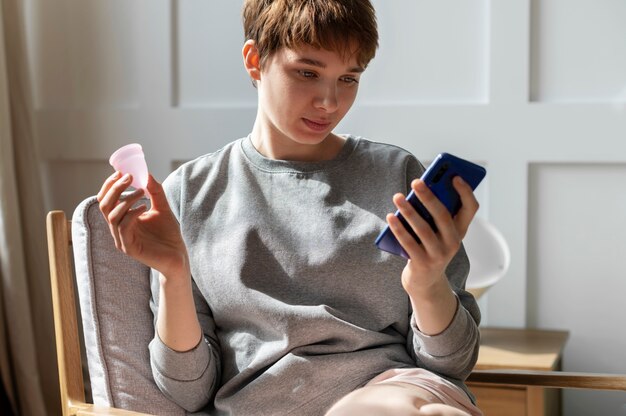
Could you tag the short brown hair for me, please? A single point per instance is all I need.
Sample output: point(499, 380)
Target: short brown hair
point(327, 24)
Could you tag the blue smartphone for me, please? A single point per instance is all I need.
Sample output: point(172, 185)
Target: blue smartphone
point(438, 177)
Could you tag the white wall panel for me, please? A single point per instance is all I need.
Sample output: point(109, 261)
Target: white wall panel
point(430, 52)
point(102, 42)
point(578, 50)
point(576, 269)
point(69, 181)
point(209, 40)
point(99, 54)
point(48, 53)
point(152, 53)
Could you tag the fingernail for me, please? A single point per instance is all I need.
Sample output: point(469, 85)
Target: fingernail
point(126, 177)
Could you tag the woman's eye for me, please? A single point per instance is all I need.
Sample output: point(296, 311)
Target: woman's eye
point(307, 74)
point(350, 80)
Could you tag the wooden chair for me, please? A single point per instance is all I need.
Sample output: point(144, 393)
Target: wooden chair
point(116, 317)
point(66, 321)
point(59, 231)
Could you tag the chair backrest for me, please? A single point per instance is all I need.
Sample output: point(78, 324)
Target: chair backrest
point(488, 253)
point(117, 322)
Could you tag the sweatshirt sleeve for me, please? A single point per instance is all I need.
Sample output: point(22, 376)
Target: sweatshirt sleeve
point(188, 378)
point(453, 352)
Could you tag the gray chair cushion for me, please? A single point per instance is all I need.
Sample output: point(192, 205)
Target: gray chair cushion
point(114, 293)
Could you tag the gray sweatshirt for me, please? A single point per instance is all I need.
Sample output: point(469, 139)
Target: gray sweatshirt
point(297, 305)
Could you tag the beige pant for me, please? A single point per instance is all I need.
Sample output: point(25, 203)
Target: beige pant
point(404, 392)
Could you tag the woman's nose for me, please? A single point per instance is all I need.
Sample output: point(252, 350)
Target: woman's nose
point(327, 98)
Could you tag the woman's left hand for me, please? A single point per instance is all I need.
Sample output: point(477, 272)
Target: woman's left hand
point(424, 277)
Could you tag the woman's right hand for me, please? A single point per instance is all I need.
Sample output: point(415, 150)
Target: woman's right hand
point(151, 236)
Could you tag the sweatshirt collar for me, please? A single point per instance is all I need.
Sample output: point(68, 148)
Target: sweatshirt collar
point(287, 166)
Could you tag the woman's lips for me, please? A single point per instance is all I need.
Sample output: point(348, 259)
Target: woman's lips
point(316, 125)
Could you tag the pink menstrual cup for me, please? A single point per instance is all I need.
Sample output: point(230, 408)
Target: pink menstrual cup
point(130, 159)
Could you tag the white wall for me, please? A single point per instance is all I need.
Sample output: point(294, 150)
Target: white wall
point(534, 89)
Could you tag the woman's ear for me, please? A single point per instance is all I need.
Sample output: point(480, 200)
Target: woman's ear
point(251, 60)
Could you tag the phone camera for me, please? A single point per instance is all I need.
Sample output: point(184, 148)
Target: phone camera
point(441, 172)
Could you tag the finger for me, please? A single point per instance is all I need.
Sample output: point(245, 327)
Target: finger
point(469, 205)
point(124, 205)
point(419, 225)
point(416, 222)
point(439, 212)
point(117, 214)
point(107, 184)
point(406, 240)
point(112, 195)
point(106, 203)
point(158, 200)
point(127, 240)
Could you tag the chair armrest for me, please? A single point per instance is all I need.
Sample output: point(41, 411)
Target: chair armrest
point(87, 409)
point(554, 379)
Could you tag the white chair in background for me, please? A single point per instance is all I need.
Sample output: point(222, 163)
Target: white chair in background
point(489, 256)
